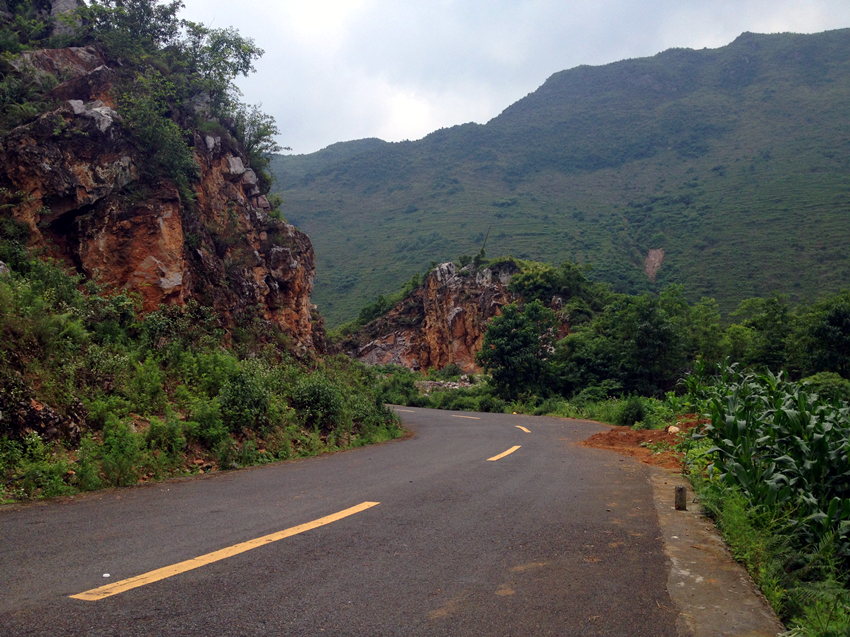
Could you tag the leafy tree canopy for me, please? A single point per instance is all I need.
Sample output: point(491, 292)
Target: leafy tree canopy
point(173, 75)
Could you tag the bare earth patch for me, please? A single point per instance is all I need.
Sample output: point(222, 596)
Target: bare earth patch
point(653, 262)
point(650, 446)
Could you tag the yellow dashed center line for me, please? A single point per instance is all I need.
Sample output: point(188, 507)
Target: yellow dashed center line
point(407, 411)
point(523, 428)
point(502, 455)
point(175, 569)
point(470, 417)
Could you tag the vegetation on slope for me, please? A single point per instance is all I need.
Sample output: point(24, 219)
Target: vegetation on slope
point(172, 75)
point(93, 395)
point(732, 160)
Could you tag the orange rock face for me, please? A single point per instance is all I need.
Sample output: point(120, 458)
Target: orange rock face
point(76, 175)
point(442, 322)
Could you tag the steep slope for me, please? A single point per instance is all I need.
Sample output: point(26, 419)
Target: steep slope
point(75, 178)
point(441, 322)
point(733, 161)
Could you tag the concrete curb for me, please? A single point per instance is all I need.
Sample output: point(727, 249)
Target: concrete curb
point(714, 595)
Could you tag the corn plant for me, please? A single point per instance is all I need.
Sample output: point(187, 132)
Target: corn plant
point(784, 448)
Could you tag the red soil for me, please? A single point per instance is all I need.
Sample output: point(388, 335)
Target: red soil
point(630, 442)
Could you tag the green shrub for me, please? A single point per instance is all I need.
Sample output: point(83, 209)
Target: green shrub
point(211, 370)
point(99, 408)
point(631, 412)
point(146, 387)
point(166, 436)
point(87, 467)
point(244, 403)
point(318, 402)
point(492, 404)
point(211, 429)
point(449, 372)
point(120, 454)
point(828, 386)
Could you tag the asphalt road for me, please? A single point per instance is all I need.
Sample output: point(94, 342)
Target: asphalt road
point(552, 539)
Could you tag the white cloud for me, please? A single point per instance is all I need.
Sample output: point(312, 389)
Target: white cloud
point(336, 70)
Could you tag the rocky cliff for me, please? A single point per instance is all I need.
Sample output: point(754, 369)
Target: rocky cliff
point(76, 179)
point(441, 322)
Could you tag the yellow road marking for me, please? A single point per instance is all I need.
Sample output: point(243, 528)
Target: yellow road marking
point(470, 417)
point(175, 569)
point(408, 411)
point(523, 428)
point(502, 455)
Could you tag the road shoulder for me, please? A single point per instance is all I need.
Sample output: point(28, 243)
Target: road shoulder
point(714, 594)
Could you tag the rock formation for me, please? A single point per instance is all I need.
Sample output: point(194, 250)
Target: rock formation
point(76, 177)
point(440, 323)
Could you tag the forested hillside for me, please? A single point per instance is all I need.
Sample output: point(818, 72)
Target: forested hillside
point(733, 161)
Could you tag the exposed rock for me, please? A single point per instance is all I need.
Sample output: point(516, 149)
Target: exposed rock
point(427, 386)
point(213, 143)
point(77, 164)
point(233, 167)
point(249, 178)
point(202, 104)
point(654, 259)
point(62, 64)
point(58, 9)
point(440, 323)
point(94, 85)
point(103, 116)
point(20, 414)
point(4, 269)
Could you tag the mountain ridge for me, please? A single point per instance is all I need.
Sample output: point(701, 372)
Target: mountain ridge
point(733, 160)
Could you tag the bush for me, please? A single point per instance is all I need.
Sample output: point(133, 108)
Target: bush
point(211, 429)
point(631, 412)
point(244, 403)
point(146, 387)
point(166, 436)
point(318, 402)
point(87, 468)
point(491, 404)
point(828, 386)
point(120, 453)
point(449, 372)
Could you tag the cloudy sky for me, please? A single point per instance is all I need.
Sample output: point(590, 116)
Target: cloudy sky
point(336, 70)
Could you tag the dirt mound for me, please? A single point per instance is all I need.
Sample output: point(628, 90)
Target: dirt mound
point(650, 446)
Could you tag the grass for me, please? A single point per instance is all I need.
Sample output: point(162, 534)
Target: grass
point(744, 184)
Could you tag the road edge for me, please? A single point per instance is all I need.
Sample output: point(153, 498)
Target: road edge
point(714, 594)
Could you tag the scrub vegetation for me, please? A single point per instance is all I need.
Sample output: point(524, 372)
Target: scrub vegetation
point(92, 392)
point(93, 395)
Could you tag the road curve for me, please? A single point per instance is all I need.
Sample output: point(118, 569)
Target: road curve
point(466, 540)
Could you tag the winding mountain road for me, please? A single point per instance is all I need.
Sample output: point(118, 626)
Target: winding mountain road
point(480, 524)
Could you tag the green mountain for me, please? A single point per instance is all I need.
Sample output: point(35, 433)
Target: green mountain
point(733, 161)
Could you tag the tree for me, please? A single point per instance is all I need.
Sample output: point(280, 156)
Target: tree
point(133, 28)
point(517, 347)
point(652, 345)
point(257, 131)
point(216, 57)
point(823, 336)
point(770, 322)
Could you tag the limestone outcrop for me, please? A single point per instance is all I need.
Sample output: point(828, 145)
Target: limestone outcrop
point(77, 180)
point(440, 323)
